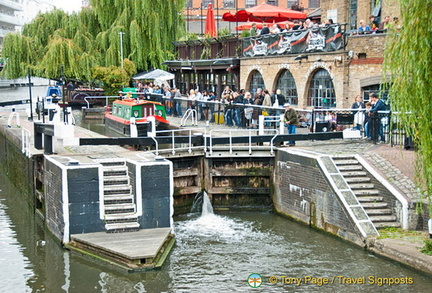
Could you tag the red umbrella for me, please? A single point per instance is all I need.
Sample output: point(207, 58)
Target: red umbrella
point(264, 13)
point(210, 24)
point(248, 25)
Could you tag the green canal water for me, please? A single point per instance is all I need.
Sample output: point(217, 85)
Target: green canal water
point(213, 253)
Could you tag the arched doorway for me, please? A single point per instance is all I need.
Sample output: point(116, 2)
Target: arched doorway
point(321, 90)
point(286, 84)
point(256, 81)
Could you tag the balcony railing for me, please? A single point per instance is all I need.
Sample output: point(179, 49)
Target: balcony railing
point(10, 19)
point(321, 39)
point(12, 4)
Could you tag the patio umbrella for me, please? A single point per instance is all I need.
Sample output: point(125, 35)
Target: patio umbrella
point(210, 24)
point(248, 25)
point(155, 74)
point(264, 13)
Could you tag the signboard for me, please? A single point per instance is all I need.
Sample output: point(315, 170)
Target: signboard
point(332, 14)
point(321, 39)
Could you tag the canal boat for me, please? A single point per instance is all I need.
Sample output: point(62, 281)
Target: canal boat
point(126, 111)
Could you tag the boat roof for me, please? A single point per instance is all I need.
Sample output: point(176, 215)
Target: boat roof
point(134, 102)
point(54, 90)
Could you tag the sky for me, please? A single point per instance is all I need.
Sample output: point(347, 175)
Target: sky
point(68, 5)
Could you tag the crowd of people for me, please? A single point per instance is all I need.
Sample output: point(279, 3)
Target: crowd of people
point(237, 108)
point(229, 107)
point(375, 27)
point(275, 28)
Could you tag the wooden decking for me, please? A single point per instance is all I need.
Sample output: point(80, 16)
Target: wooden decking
point(133, 251)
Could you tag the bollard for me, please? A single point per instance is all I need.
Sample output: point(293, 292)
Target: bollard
point(11, 116)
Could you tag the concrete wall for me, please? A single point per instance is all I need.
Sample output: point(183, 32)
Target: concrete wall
point(53, 186)
point(71, 198)
point(156, 189)
point(83, 188)
point(17, 166)
point(302, 193)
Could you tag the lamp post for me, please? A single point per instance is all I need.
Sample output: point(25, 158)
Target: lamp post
point(30, 118)
point(121, 48)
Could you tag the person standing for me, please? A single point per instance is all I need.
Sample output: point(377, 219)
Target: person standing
point(375, 121)
point(291, 121)
point(252, 31)
point(358, 115)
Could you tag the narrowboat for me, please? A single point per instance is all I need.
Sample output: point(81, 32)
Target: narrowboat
point(118, 117)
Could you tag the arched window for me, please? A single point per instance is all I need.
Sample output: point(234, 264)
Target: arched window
point(288, 87)
point(321, 90)
point(256, 82)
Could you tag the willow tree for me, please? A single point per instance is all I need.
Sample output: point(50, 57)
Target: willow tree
point(91, 38)
point(408, 59)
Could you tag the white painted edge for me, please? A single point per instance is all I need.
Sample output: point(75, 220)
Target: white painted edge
point(389, 187)
point(138, 190)
point(101, 192)
point(171, 194)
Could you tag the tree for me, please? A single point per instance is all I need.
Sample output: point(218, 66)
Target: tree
point(408, 59)
point(89, 39)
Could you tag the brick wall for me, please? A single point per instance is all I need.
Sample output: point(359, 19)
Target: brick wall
point(302, 193)
point(53, 199)
point(347, 73)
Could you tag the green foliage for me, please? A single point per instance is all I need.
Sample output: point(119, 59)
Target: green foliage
point(408, 59)
point(245, 34)
point(427, 248)
point(112, 78)
point(223, 32)
point(90, 38)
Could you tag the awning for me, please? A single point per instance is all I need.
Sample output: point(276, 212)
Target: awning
point(221, 63)
point(155, 74)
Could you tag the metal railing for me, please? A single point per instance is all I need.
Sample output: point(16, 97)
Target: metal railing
point(314, 120)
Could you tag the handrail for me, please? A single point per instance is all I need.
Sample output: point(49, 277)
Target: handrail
point(186, 116)
point(173, 142)
point(25, 142)
point(98, 97)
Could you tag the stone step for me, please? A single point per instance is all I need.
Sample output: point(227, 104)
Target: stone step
point(360, 192)
point(117, 189)
point(121, 218)
point(118, 198)
point(119, 208)
point(374, 212)
point(387, 225)
point(353, 173)
point(350, 167)
point(340, 162)
point(343, 157)
point(111, 161)
point(374, 205)
point(357, 179)
point(385, 218)
point(122, 227)
point(361, 185)
point(116, 180)
point(115, 171)
point(372, 198)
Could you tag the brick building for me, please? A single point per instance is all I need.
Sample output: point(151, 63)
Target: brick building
point(310, 79)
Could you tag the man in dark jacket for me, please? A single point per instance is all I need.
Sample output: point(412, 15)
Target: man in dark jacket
point(375, 128)
point(291, 121)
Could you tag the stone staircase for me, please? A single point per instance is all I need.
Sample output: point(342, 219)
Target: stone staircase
point(119, 204)
point(378, 211)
